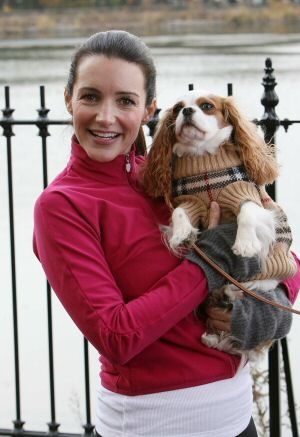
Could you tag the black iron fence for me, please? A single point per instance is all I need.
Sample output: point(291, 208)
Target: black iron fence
point(269, 123)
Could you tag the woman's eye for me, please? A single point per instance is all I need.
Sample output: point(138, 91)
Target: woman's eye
point(206, 106)
point(126, 101)
point(91, 98)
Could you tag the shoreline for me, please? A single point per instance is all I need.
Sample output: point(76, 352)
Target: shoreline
point(191, 41)
point(82, 22)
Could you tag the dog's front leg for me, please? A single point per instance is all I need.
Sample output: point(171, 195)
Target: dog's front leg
point(256, 231)
point(182, 229)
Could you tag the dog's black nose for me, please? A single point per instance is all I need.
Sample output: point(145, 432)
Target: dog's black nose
point(188, 111)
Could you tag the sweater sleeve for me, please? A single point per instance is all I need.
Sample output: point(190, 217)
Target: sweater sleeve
point(70, 252)
point(254, 322)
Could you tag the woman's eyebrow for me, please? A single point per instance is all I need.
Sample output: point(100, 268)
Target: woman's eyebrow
point(95, 90)
point(89, 89)
point(132, 93)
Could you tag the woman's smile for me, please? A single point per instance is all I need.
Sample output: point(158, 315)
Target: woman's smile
point(104, 137)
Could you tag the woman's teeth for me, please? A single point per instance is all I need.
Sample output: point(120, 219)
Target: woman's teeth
point(106, 135)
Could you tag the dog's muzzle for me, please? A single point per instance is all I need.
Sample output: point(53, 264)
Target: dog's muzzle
point(188, 112)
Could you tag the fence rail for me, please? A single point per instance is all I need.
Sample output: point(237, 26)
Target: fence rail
point(270, 123)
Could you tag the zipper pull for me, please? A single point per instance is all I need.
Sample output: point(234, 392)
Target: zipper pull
point(128, 164)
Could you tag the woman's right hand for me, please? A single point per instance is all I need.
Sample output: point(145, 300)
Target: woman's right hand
point(214, 215)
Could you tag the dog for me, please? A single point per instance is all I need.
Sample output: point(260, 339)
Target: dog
point(205, 149)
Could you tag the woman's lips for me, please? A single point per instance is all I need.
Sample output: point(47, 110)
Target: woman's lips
point(104, 135)
point(104, 138)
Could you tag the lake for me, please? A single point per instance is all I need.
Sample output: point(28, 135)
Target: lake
point(208, 62)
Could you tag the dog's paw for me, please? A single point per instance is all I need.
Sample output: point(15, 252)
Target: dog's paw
point(247, 247)
point(233, 292)
point(187, 238)
point(210, 340)
point(266, 233)
point(267, 285)
point(182, 230)
point(256, 231)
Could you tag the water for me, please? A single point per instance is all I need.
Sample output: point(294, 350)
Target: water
point(207, 61)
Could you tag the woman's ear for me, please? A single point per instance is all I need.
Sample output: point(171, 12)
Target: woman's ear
point(68, 102)
point(149, 111)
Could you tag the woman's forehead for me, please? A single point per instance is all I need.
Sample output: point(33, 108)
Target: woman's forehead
point(101, 69)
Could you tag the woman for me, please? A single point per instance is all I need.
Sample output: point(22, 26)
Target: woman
point(97, 236)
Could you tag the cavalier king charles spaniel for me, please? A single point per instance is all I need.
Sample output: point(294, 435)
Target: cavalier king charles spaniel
point(204, 149)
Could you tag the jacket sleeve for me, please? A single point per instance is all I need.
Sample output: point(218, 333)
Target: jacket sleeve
point(292, 285)
point(70, 252)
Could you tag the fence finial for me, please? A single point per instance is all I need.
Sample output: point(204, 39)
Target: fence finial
point(7, 115)
point(270, 121)
point(43, 115)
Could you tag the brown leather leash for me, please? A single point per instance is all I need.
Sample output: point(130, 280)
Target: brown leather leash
point(239, 285)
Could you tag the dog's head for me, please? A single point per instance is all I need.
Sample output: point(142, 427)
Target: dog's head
point(200, 122)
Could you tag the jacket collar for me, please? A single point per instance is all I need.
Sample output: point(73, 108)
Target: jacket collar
point(113, 172)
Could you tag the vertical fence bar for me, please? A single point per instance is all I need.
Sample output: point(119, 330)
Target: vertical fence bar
point(270, 121)
point(270, 124)
point(88, 427)
point(44, 133)
point(289, 387)
point(274, 391)
point(8, 133)
point(229, 89)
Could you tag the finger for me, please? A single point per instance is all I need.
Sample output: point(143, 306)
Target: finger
point(218, 325)
point(214, 215)
point(217, 313)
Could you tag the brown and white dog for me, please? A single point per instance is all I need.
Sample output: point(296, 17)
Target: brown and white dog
point(204, 149)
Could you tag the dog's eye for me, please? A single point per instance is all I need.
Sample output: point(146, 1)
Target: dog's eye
point(177, 108)
point(206, 106)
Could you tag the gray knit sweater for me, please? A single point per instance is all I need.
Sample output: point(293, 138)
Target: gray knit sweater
point(253, 321)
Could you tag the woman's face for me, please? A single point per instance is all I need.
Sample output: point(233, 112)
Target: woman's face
point(108, 105)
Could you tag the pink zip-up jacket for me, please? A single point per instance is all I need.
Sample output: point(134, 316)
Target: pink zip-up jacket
point(97, 237)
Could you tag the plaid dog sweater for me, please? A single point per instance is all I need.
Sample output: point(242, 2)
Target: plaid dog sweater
point(198, 180)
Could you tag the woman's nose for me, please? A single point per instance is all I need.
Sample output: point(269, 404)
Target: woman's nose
point(106, 114)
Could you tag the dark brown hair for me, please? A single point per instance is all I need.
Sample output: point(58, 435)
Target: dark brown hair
point(117, 44)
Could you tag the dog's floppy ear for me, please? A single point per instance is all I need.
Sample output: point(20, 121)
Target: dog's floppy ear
point(256, 155)
point(158, 170)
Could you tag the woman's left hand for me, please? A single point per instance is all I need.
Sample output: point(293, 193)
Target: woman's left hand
point(218, 319)
point(251, 321)
point(254, 322)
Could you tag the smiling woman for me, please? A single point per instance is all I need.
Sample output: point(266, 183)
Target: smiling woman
point(97, 236)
